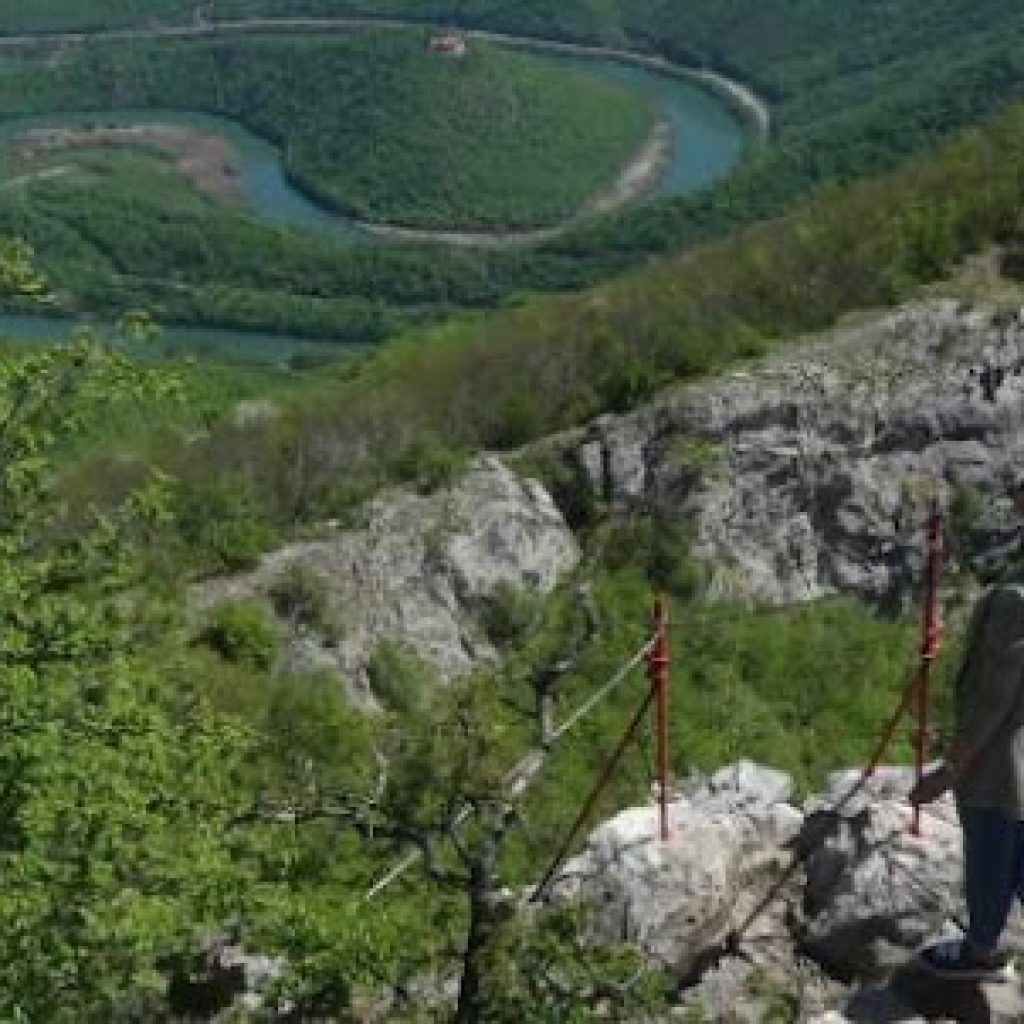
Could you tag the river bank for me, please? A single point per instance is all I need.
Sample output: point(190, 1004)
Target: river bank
point(205, 159)
point(639, 178)
point(697, 140)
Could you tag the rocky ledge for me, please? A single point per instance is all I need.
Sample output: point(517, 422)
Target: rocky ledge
point(809, 473)
point(855, 896)
point(417, 570)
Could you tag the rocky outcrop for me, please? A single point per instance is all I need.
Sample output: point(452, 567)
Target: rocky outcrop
point(809, 474)
point(854, 896)
point(678, 899)
point(418, 570)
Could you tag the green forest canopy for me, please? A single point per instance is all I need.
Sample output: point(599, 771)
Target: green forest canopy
point(853, 89)
point(375, 125)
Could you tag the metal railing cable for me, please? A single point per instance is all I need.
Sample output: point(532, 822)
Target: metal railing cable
point(599, 695)
point(517, 780)
point(592, 797)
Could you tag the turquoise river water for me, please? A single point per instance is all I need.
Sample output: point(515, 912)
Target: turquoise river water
point(708, 138)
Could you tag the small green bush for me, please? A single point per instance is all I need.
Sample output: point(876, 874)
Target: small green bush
point(299, 594)
point(569, 485)
point(966, 508)
point(508, 613)
point(398, 677)
point(661, 549)
point(241, 632)
point(431, 466)
point(222, 524)
point(628, 385)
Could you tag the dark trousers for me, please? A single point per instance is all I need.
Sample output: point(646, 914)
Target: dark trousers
point(993, 871)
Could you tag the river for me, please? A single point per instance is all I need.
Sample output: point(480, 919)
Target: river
point(707, 138)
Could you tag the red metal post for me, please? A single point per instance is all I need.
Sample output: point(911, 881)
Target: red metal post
point(659, 662)
point(931, 628)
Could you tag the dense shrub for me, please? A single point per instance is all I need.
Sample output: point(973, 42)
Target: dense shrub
point(398, 677)
point(300, 596)
point(222, 524)
point(509, 612)
point(241, 631)
point(430, 465)
point(658, 547)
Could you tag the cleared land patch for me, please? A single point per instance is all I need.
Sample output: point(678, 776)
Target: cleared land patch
point(205, 160)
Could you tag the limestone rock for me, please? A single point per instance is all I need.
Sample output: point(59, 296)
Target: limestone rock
point(418, 571)
point(744, 786)
point(677, 899)
point(876, 892)
point(737, 991)
point(837, 944)
point(810, 473)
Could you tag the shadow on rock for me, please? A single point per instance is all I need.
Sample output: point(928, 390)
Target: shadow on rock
point(962, 1001)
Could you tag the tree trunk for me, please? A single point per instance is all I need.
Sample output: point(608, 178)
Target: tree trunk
point(482, 926)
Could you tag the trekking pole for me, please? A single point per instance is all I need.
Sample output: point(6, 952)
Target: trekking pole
point(930, 634)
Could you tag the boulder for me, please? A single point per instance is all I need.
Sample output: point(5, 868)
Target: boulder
point(810, 473)
point(874, 891)
point(678, 900)
point(837, 942)
point(417, 571)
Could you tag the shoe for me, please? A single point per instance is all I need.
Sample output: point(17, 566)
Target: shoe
point(956, 961)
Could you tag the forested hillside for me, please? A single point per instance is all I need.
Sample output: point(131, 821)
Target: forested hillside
point(372, 125)
point(172, 786)
point(853, 89)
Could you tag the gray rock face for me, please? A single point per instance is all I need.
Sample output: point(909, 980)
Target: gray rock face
point(875, 891)
point(418, 571)
point(810, 474)
point(837, 943)
point(680, 898)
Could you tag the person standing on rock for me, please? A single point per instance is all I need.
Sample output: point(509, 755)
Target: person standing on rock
point(985, 769)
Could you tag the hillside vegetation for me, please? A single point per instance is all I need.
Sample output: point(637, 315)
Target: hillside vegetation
point(375, 126)
point(188, 785)
point(164, 782)
point(853, 91)
point(505, 379)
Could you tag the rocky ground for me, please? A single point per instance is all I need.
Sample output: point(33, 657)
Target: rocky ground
point(810, 473)
point(418, 571)
point(855, 895)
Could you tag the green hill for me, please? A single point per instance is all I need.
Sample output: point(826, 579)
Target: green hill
point(375, 125)
point(854, 90)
